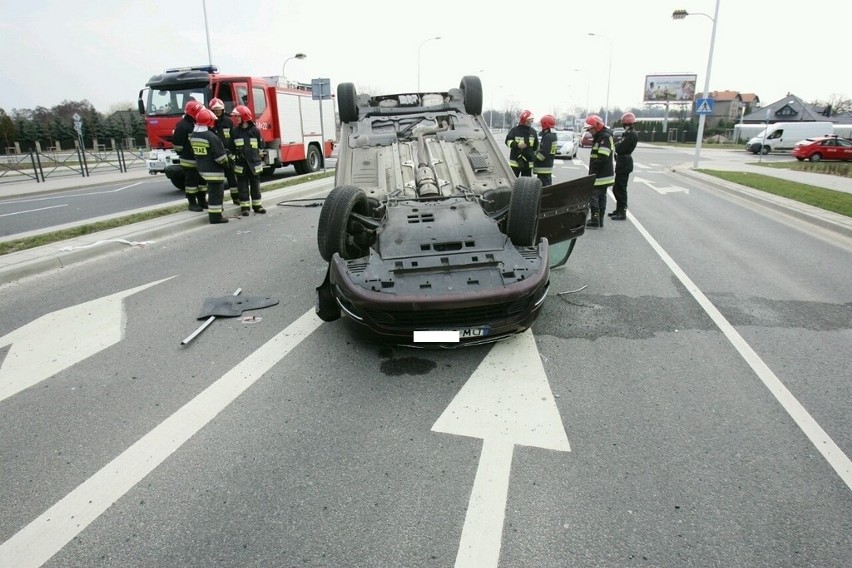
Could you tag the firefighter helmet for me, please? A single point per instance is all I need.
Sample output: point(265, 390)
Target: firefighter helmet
point(244, 112)
point(205, 117)
point(594, 122)
point(192, 107)
point(216, 104)
point(525, 118)
point(628, 118)
point(548, 121)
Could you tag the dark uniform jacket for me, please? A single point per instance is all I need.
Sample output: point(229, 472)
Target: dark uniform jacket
point(600, 158)
point(624, 150)
point(246, 145)
point(224, 127)
point(210, 155)
point(522, 158)
point(546, 153)
point(180, 141)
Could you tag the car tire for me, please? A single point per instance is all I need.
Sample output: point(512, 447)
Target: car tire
point(471, 88)
point(333, 234)
point(522, 223)
point(764, 150)
point(815, 157)
point(347, 105)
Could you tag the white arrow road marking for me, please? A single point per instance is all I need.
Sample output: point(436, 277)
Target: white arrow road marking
point(662, 190)
point(506, 401)
point(57, 340)
point(34, 210)
point(37, 542)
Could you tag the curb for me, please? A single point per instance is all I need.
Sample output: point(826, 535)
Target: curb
point(18, 265)
point(802, 211)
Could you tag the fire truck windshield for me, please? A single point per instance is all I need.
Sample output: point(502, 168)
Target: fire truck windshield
point(170, 102)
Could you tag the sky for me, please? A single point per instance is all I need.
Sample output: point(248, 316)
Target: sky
point(543, 59)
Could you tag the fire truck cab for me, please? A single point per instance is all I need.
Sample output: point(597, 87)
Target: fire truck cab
point(296, 129)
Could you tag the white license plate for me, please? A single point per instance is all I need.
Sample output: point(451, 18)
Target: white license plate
point(158, 165)
point(473, 332)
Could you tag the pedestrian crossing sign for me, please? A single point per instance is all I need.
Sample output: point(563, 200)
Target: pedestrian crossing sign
point(703, 106)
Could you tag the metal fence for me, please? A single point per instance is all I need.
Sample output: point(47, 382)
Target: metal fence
point(39, 165)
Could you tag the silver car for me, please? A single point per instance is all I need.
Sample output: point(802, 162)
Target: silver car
point(566, 144)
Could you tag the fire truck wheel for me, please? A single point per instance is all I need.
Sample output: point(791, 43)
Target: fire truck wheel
point(347, 105)
point(336, 231)
point(311, 164)
point(471, 86)
point(522, 224)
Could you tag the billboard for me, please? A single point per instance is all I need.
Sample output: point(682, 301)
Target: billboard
point(675, 88)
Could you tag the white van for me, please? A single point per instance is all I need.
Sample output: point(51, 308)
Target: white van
point(784, 135)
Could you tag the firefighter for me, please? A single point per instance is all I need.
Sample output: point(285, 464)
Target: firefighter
point(195, 190)
point(543, 165)
point(224, 126)
point(600, 166)
point(522, 141)
point(247, 146)
point(623, 165)
point(211, 158)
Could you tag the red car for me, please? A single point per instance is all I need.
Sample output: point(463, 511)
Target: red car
point(823, 148)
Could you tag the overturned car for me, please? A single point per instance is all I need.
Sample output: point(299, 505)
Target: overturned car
point(430, 238)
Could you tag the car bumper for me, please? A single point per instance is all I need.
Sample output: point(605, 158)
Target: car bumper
point(474, 300)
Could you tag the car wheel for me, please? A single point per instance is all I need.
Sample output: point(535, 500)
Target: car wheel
point(800, 159)
point(471, 88)
point(764, 150)
point(336, 232)
point(347, 106)
point(522, 223)
point(815, 157)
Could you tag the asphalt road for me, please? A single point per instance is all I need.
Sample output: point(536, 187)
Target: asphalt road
point(42, 211)
point(681, 401)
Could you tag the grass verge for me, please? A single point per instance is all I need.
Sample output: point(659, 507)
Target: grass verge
point(827, 199)
point(88, 229)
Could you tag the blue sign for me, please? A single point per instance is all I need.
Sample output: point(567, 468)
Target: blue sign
point(320, 89)
point(703, 106)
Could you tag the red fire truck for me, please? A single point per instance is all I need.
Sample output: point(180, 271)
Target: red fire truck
point(297, 129)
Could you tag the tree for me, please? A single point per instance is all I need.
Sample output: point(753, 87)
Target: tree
point(7, 129)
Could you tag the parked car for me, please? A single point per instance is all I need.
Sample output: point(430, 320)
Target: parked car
point(823, 148)
point(617, 133)
point(427, 231)
point(587, 140)
point(566, 144)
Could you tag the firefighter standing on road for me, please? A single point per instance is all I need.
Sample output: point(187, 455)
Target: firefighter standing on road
point(180, 140)
point(522, 141)
point(600, 166)
point(211, 158)
point(224, 127)
point(246, 146)
point(543, 165)
point(623, 166)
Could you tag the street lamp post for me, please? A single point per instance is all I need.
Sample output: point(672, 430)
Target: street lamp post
point(609, 76)
point(207, 33)
point(419, 49)
point(679, 15)
point(283, 67)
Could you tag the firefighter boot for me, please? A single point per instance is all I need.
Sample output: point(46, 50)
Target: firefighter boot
point(216, 218)
point(202, 200)
point(258, 209)
point(244, 210)
point(595, 220)
point(619, 215)
point(235, 197)
point(193, 202)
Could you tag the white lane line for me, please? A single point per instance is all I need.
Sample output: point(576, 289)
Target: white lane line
point(818, 437)
point(71, 196)
point(36, 543)
point(33, 210)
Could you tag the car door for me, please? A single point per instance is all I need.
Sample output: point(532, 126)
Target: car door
point(564, 208)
